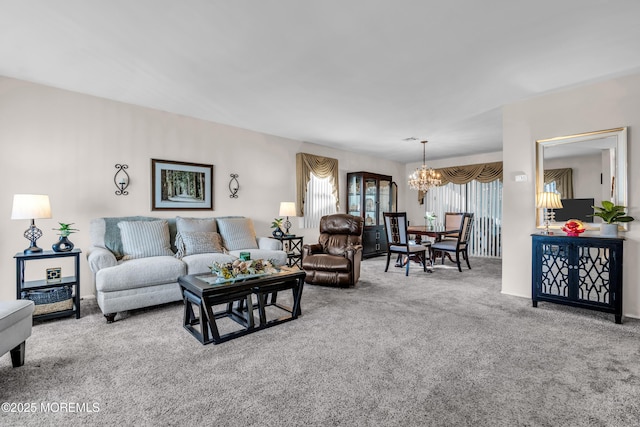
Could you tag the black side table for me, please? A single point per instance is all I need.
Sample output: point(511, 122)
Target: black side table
point(32, 285)
point(293, 246)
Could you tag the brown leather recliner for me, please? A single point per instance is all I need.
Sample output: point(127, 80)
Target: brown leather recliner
point(335, 259)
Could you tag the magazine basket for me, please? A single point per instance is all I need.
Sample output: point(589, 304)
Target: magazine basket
point(50, 300)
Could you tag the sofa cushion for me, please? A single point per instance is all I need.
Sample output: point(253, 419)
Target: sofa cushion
point(198, 242)
point(237, 233)
point(195, 224)
point(139, 273)
point(201, 263)
point(192, 224)
point(12, 312)
point(278, 258)
point(105, 233)
point(141, 239)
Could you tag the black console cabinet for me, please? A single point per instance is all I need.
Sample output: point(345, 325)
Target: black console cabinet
point(23, 285)
point(578, 271)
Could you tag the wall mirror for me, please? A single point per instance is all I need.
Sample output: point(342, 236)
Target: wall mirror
point(585, 169)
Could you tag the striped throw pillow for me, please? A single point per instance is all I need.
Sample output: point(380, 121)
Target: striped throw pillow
point(142, 239)
point(237, 233)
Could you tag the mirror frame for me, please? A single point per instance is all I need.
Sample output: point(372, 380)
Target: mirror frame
point(620, 162)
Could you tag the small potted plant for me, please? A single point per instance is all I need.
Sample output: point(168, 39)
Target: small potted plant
point(64, 244)
point(277, 226)
point(611, 215)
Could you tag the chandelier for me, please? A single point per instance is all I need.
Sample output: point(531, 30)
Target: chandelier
point(424, 177)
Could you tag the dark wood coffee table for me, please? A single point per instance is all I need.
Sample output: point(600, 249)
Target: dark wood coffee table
point(238, 297)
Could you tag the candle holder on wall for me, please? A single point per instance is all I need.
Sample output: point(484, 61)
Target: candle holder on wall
point(121, 179)
point(234, 186)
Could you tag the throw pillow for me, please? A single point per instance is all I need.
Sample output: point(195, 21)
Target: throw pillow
point(191, 224)
point(142, 239)
point(199, 242)
point(237, 233)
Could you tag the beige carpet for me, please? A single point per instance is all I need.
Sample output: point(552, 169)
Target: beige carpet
point(440, 349)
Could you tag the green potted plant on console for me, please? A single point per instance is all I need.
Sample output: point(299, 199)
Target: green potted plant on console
point(277, 227)
point(64, 244)
point(611, 215)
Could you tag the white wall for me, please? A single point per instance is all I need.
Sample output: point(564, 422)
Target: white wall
point(605, 105)
point(66, 145)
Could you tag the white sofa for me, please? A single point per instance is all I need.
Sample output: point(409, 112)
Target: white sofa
point(136, 261)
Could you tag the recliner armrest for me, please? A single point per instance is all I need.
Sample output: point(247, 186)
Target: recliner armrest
point(100, 258)
point(351, 252)
point(310, 249)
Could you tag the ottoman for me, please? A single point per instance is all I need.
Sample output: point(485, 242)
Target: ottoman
point(16, 318)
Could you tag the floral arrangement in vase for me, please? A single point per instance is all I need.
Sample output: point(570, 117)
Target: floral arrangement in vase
point(239, 268)
point(430, 217)
point(573, 227)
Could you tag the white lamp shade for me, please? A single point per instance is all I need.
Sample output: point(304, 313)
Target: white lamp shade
point(30, 206)
point(287, 209)
point(549, 200)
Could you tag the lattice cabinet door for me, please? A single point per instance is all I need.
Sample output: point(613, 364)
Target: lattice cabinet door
point(578, 271)
point(555, 269)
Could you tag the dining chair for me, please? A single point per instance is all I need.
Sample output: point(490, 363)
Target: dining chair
point(395, 225)
point(458, 245)
point(453, 221)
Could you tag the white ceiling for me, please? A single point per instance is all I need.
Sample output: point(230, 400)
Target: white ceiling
point(359, 75)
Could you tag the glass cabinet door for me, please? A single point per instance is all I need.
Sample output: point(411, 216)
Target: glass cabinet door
point(385, 199)
point(370, 201)
point(355, 195)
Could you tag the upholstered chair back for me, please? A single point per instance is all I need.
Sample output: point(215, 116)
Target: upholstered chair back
point(340, 231)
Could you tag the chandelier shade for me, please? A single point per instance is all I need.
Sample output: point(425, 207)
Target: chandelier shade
point(424, 177)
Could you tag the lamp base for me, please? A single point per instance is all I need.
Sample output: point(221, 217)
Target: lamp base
point(32, 250)
point(32, 234)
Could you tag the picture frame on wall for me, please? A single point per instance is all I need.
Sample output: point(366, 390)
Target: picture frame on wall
point(181, 185)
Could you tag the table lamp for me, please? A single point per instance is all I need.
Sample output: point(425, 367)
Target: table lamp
point(287, 209)
point(548, 201)
point(31, 206)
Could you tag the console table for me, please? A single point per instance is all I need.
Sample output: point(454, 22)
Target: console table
point(73, 280)
point(582, 272)
point(293, 246)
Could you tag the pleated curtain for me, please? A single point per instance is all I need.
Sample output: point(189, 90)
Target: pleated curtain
point(322, 167)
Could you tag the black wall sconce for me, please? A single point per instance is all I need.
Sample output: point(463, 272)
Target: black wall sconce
point(121, 180)
point(234, 186)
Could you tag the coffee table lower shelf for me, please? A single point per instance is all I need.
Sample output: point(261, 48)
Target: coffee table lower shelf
point(201, 297)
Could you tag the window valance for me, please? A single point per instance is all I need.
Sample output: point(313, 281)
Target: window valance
point(482, 172)
point(564, 181)
point(322, 167)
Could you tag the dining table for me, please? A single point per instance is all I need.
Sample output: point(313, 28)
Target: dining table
point(435, 231)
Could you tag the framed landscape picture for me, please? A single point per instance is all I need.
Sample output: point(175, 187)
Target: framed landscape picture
point(181, 186)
